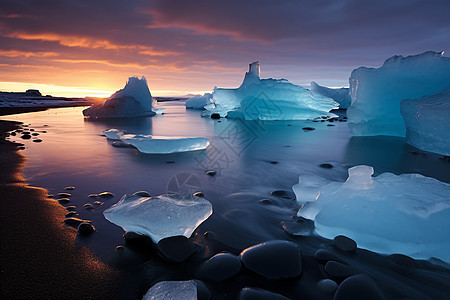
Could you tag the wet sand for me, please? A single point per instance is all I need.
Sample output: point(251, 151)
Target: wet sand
point(39, 257)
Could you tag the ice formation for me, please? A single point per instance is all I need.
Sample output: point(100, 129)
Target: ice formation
point(114, 134)
point(199, 102)
point(161, 216)
point(134, 100)
point(427, 122)
point(268, 99)
point(376, 93)
point(150, 144)
point(407, 213)
point(341, 96)
point(172, 290)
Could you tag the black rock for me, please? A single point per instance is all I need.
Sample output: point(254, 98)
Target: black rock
point(210, 173)
point(26, 136)
point(176, 248)
point(221, 267)
point(323, 255)
point(283, 194)
point(308, 128)
point(71, 208)
point(63, 200)
point(344, 243)
point(170, 162)
point(330, 125)
point(35, 134)
point(445, 158)
point(13, 133)
point(37, 140)
point(259, 294)
point(70, 214)
point(93, 195)
point(142, 194)
point(209, 235)
point(105, 195)
point(199, 194)
point(85, 228)
point(273, 162)
point(64, 195)
point(203, 292)
point(69, 188)
point(98, 203)
point(266, 201)
point(73, 221)
point(88, 206)
point(326, 166)
point(121, 144)
point(215, 116)
point(359, 286)
point(327, 286)
point(339, 270)
point(274, 259)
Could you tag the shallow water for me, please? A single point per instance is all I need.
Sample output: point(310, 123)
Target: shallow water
point(251, 159)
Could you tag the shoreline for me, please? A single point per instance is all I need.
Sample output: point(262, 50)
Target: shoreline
point(39, 257)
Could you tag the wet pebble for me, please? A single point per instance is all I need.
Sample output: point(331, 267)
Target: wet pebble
point(105, 195)
point(64, 195)
point(344, 243)
point(203, 292)
point(176, 248)
point(26, 136)
point(221, 267)
point(63, 200)
point(210, 173)
point(98, 203)
point(71, 208)
point(70, 214)
point(266, 202)
point(215, 116)
point(142, 194)
point(275, 259)
point(199, 194)
point(88, 206)
point(358, 286)
point(273, 162)
point(327, 286)
point(85, 228)
point(248, 293)
point(283, 194)
point(330, 125)
point(339, 270)
point(21, 148)
point(69, 188)
point(323, 255)
point(170, 162)
point(13, 133)
point(73, 221)
point(93, 195)
point(326, 166)
point(37, 140)
point(35, 134)
point(308, 128)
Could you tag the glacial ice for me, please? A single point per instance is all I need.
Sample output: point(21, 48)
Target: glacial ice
point(134, 100)
point(199, 102)
point(114, 134)
point(407, 213)
point(151, 144)
point(268, 99)
point(172, 290)
point(161, 216)
point(376, 93)
point(341, 96)
point(427, 122)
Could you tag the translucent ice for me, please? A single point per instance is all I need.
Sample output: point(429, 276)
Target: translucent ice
point(376, 93)
point(114, 134)
point(408, 213)
point(164, 144)
point(134, 100)
point(427, 122)
point(172, 290)
point(341, 96)
point(268, 99)
point(161, 216)
point(199, 102)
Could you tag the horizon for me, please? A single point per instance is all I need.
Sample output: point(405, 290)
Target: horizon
point(188, 48)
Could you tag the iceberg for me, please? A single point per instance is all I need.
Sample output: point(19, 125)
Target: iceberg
point(376, 93)
point(199, 102)
point(161, 216)
point(172, 290)
point(151, 144)
point(427, 122)
point(341, 96)
point(268, 99)
point(114, 134)
point(407, 213)
point(134, 100)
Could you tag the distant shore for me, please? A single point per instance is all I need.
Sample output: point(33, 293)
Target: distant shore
point(39, 258)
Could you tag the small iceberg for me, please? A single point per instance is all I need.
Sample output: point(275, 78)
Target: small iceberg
point(134, 100)
point(161, 216)
point(114, 134)
point(199, 102)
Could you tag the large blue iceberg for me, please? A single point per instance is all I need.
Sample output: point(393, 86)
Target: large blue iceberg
point(376, 93)
point(134, 100)
point(268, 99)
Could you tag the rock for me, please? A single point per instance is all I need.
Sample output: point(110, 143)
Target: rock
point(215, 116)
point(176, 248)
point(326, 166)
point(327, 286)
point(73, 221)
point(266, 202)
point(330, 125)
point(308, 128)
point(93, 195)
point(121, 144)
point(210, 173)
point(359, 286)
point(298, 228)
point(105, 195)
point(37, 140)
point(259, 294)
point(203, 292)
point(275, 259)
point(199, 194)
point(71, 208)
point(64, 195)
point(339, 270)
point(98, 203)
point(85, 228)
point(69, 188)
point(221, 267)
point(273, 162)
point(283, 194)
point(63, 200)
point(70, 214)
point(170, 162)
point(13, 133)
point(142, 194)
point(26, 136)
point(35, 134)
point(88, 206)
point(344, 243)
point(323, 255)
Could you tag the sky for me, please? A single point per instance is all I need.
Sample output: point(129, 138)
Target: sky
point(90, 48)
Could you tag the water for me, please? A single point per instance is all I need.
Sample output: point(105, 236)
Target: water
point(251, 159)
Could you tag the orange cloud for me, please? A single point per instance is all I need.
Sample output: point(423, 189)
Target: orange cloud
point(17, 53)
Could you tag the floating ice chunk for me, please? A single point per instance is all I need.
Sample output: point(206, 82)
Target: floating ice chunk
point(408, 213)
point(341, 96)
point(376, 93)
point(199, 102)
point(114, 134)
point(268, 99)
point(308, 188)
point(134, 100)
point(158, 111)
point(164, 144)
point(161, 216)
point(172, 290)
point(427, 122)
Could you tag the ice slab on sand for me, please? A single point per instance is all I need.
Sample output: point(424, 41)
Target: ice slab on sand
point(134, 100)
point(376, 93)
point(172, 290)
point(268, 99)
point(427, 122)
point(341, 96)
point(407, 213)
point(199, 102)
point(164, 144)
point(161, 216)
